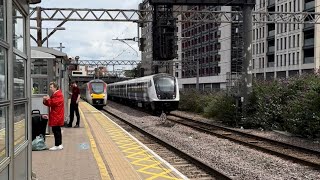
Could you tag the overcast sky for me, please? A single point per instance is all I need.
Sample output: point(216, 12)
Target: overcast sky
point(93, 40)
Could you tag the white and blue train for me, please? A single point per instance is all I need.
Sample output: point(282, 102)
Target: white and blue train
point(159, 92)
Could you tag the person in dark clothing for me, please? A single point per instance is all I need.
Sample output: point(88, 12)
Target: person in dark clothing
point(74, 105)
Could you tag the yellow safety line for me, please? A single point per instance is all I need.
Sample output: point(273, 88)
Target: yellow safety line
point(102, 167)
point(136, 154)
point(120, 137)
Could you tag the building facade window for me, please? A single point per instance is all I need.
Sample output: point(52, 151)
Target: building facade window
point(289, 42)
point(253, 64)
point(289, 59)
point(285, 43)
point(177, 65)
point(285, 60)
point(253, 35)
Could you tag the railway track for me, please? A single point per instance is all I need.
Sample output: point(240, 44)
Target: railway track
point(186, 164)
point(291, 152)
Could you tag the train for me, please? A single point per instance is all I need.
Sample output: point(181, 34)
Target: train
point(158, 93)
point(95, 93)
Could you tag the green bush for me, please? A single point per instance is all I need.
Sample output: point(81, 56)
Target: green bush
point(291, 105)
point(222, 107)
point(302, 115)
point(268, 103)
point(194, 101)
point(190, 101)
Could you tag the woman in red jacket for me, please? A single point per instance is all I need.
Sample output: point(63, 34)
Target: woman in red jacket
point(56, 114)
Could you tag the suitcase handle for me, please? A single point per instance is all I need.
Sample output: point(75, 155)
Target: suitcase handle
point(35, 112)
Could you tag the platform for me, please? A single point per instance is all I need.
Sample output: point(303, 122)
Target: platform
point(100, 149)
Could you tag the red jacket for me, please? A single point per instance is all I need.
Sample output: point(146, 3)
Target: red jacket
point(56, 113)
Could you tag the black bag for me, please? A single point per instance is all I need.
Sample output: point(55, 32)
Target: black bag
point(39, 124)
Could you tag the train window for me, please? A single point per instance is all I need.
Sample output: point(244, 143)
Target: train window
point(19, 77)
point(97, 87)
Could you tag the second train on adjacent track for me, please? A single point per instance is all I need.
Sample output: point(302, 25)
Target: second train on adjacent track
point(95, 93)
point(159, 92)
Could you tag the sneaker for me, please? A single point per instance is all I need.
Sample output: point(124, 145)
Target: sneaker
point(55, 148)
point(76, 126)
point(60, 147)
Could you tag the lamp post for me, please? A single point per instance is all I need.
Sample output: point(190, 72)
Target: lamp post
point(47, 29)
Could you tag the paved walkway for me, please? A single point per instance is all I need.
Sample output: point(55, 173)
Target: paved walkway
point(74, 162)
point(100, 149)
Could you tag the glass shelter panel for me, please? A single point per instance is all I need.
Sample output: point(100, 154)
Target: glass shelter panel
point(20, 166)
point(19, 77)
point(3, 134)
point(2, 25)
point(3, 77)
point(18, 29)
point(4, 174)
point(19, 124)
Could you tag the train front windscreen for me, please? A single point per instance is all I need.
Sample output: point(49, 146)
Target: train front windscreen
point(97, 88)
point(165, 87)
point(165, 84)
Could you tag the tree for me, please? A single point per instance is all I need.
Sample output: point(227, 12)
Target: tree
point(135, 72)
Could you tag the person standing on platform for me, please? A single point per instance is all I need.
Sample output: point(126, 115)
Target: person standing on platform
point(74, 105)
point(56, 114)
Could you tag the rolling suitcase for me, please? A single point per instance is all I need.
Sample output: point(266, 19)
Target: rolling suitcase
point(39, 124)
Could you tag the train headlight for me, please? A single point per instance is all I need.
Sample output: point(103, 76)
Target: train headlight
point(91, 95)
point(159, 96)
point(173, 96)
